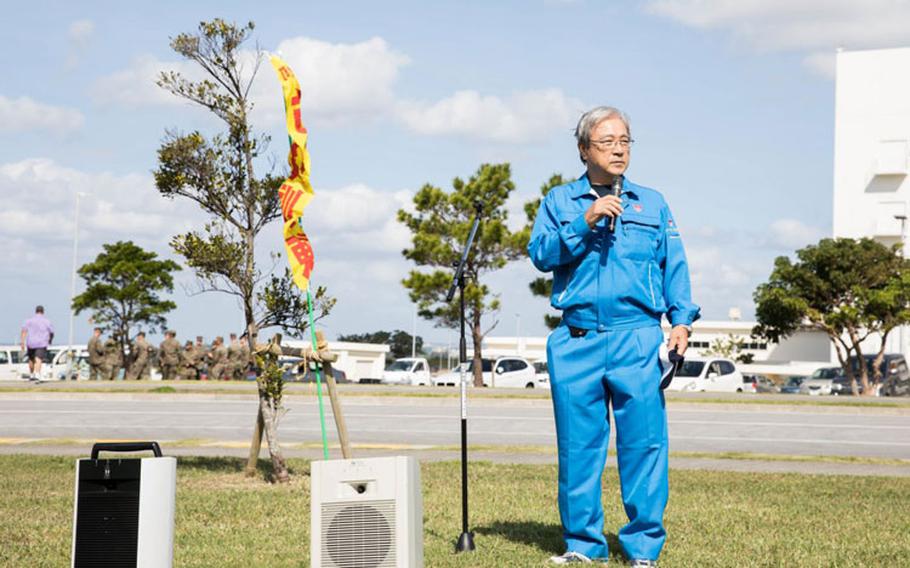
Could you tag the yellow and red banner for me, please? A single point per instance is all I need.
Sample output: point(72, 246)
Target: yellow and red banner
point(296, 192)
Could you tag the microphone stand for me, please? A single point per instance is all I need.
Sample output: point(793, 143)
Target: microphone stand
point(465, 541)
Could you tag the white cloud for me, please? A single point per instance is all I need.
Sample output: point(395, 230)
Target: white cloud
point(724, 277)
point(792, 234)
point(41, 204)
point(23, 114)
point(812, 27)
point(359, 221)
point(528, 115)
point(136, 85)
point(342, 82)
point(338, 81)
point(78, 37)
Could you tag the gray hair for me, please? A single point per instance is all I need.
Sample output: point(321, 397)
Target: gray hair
point(592, 118)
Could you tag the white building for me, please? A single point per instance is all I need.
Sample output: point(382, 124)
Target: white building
point(871, 151)
point(799, 354)
point(357, 360)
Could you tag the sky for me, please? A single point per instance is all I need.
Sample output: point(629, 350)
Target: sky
point(731, 106)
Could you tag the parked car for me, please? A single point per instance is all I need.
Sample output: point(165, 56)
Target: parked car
point(841, 386)
point(894, 371)
point(294, 374)
point(542, 374)
point(718, 375)
point(759, 384)
point(513, 372)
point(453, 378)
point(407, 371)
point(791, 385)
point(749, 384)
point(821, 381)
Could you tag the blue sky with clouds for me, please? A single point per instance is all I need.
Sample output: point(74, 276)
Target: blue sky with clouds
point(731, 106)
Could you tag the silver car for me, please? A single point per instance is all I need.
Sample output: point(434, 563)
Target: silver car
point(821, 381)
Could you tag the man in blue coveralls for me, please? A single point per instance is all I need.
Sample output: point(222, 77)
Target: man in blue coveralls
point(612, 287)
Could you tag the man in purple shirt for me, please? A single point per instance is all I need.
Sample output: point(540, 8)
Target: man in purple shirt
point(37, 334)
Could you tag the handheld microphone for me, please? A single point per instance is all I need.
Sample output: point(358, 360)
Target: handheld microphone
point(617, 189)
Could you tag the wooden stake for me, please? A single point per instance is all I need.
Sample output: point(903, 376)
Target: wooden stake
point(322, 345)
point(255, 445)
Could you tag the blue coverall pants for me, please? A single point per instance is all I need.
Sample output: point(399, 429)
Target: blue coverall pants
point(587, 374)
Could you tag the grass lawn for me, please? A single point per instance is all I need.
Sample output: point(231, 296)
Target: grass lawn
point(714, 518)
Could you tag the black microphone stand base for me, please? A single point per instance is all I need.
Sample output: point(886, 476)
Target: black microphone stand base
point(465, 542)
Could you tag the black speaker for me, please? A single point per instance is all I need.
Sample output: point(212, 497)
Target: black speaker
point(124, 509)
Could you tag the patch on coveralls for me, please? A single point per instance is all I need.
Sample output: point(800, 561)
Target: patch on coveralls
point(672, 229)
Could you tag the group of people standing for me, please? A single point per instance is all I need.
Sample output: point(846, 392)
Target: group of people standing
point(192, 361)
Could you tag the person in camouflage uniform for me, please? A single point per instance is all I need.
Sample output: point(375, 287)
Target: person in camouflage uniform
point(235, 358)
point(113, 359)
point(142, 354)
point(201, 354)
point(244, 357)
point(218, 360)
point(169, 356)
point(96, 356)
point(187, 366)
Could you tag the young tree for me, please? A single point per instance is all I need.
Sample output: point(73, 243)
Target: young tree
point(731, 347)
point(850, 289)
point(218, 174)
point(121, 289)
point(543, 285)
point(440, 226)
point(399, 342)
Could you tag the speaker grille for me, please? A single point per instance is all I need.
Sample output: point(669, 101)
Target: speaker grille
point(358, 535)
point(107, 529)
point(107, 513)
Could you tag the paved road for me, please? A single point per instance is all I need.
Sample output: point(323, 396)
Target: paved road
point(808, 430)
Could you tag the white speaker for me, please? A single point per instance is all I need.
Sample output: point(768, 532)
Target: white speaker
point(366, 513)
point(124, 510)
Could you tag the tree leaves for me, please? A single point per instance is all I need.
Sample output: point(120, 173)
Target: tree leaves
point(440, 226)
point(122, 287)
point(848, 288)
point(218, 173)
point(399, 341)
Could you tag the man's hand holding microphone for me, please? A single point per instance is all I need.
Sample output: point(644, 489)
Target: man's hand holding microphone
point(606, 206)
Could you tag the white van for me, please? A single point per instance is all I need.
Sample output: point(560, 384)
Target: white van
point(407, 371)
point(13, 364)
point(712, 374)
point(60, 367)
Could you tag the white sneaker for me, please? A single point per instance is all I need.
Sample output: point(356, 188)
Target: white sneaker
point(570, 557)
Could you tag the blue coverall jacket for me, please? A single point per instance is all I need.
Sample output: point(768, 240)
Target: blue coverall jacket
point(623, 280)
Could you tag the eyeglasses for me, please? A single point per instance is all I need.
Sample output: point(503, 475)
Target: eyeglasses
point(609, 143)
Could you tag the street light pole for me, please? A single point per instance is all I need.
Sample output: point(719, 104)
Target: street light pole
point(72, 356)
point(518, 333)
point(414, 335)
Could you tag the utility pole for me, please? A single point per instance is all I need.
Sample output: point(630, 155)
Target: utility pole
point(518, 333)
point(73, 354)
point(414, 335)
